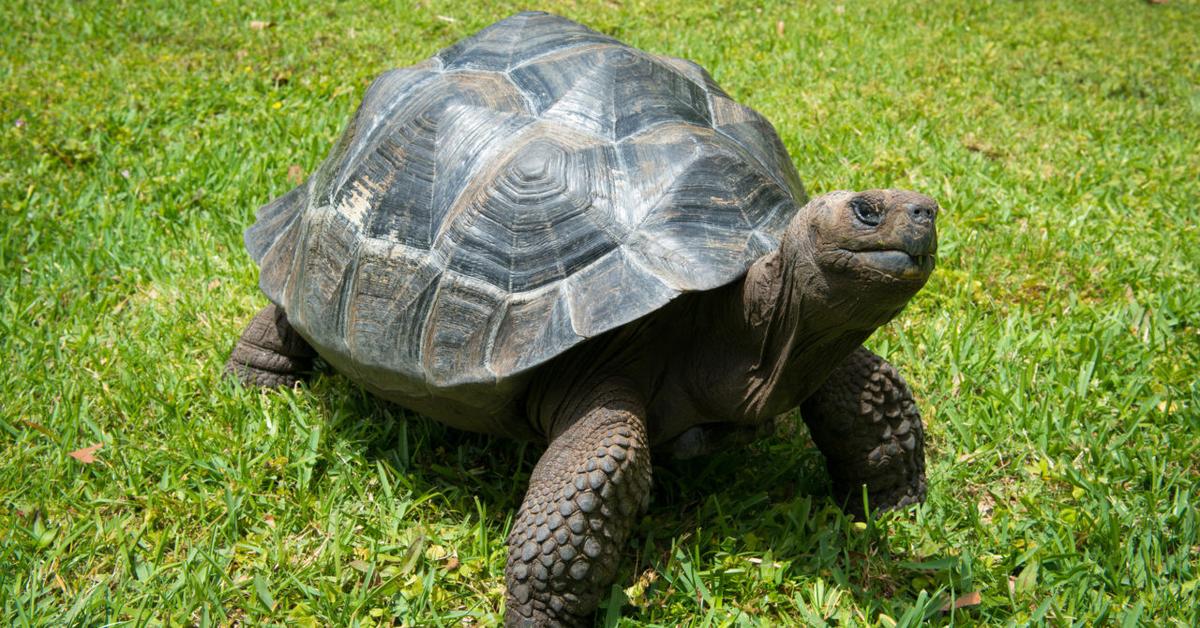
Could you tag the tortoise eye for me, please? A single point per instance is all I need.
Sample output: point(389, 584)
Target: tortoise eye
point(866, 212)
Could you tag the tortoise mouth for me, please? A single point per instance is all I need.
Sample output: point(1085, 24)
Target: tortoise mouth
point(897, 263)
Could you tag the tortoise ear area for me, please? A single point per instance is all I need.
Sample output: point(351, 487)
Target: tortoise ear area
point(821, 223)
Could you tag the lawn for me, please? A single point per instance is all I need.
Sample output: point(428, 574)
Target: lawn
point(1054, 353)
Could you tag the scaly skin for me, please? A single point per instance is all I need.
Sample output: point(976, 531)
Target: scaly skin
point(865, 422)
point(583, 498)
point(270, 353)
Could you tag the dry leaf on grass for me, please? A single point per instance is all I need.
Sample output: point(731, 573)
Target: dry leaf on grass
point(970, 599)
point(295, 174)
point(260, 25)
point(87, 455)
point(39, 427)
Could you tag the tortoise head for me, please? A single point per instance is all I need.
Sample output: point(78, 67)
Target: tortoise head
point(873, 250)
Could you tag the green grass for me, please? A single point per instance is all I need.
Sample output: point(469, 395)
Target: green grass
point(1055, 353)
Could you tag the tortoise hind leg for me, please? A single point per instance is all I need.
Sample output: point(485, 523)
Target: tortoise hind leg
point(865, 422)
point(583, 499)
point(270, 353)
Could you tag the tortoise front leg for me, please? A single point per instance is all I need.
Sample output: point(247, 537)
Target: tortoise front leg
point(270, 353)
point(865, 422)
point(583, 499)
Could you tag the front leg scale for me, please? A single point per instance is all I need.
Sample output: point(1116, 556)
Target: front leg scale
point(866, 423)
point(583, 499)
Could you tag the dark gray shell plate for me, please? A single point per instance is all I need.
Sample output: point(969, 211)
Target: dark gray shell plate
point(523, 190)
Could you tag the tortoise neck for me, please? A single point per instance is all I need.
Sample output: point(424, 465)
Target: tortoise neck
point(793, 328)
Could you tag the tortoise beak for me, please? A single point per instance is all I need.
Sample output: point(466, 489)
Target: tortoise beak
point(917, 227)
point(899, 263)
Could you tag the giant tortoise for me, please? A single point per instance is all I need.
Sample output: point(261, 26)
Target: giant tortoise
point(545, 234)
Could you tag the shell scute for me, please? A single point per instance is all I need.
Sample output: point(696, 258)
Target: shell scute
point(615, 288)
point(519, 346)
point(315, 301)
point(459, 329)
point(611, 91)
point(541, 217)
point(392, 284)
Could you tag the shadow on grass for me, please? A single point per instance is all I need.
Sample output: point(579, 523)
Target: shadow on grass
point(765, 508)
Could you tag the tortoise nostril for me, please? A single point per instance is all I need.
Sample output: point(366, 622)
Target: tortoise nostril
point(921, 213)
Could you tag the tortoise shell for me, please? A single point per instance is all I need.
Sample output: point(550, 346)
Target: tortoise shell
point(523, 190)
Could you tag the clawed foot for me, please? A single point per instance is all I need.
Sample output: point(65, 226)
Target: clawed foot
point(908, 492)
point(866, 423)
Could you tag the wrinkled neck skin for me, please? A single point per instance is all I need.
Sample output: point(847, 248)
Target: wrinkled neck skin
point(794, 323)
